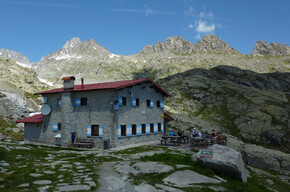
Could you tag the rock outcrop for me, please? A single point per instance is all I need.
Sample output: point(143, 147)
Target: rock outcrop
point(16, 56)
point(272, 49)
point(260, 157)
point(249, 105)
point(213, 44)
point(225, 160)
point(16, 83)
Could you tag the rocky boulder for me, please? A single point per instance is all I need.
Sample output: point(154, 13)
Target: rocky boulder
point(261, 157)
point(225, 160)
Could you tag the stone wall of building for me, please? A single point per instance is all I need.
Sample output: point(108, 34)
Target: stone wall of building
point(129, 115)
point(99, 111)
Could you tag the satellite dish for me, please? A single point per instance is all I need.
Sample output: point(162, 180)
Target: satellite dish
point(45, 109)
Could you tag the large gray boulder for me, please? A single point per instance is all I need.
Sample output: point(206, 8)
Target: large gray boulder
point(261, 157)
point(225, 160)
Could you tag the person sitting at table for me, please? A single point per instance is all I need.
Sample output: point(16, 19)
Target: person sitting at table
point(213, 134)
point(179, 133)
point(171, 133)
point(199, 134)
point(183, 134)
point(219, 138)
point(194, 134)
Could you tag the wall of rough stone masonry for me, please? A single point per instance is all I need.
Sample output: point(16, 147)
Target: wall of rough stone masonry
point(99, 111)
point(128, 115)
point(43, 132)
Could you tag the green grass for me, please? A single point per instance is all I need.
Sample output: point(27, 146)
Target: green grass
point(135, 150)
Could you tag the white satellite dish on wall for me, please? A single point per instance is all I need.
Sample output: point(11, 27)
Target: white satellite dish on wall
point(45, 109)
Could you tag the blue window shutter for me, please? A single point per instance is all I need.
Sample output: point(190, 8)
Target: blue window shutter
point(120, 101)
point(129, 130)
point(162, 104)
point(116, 105)
point(59, 102)
point(147, 128)
point(134, 102)
point(119, 131)
point(139, 127)
point(100, 131)
point(54, 127)
point(151, 103)
point(162, 127)
point(155, 128)
point(78, 102)
point(89, 131)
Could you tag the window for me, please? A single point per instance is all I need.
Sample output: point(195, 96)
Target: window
point(143, 129)
point(123, 130)
point(59, 102)
point(59, 126)
point(151, 128)
point(148, 102)
point(135, 102)
point(124, 100)
point(157, 103)
point(159, 127)
point(95, 130)
point(134, 130)
point(84, 101)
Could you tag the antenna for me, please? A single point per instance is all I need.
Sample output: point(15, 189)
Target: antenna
point(45, 109)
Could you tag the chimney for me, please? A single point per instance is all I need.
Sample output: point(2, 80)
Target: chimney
point(68, 82)
point(82, 79)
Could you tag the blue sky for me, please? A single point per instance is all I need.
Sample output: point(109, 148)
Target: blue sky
point(36, 28)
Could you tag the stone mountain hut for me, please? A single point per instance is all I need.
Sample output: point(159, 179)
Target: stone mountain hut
point(110, 114)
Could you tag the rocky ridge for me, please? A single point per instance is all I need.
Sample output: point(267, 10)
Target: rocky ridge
point(16, 56)
point(272, 49)
point(88, 59)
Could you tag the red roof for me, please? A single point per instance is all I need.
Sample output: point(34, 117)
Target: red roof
point(106, 85)
point(69, 78)
point(33, 119)
point(168, 116)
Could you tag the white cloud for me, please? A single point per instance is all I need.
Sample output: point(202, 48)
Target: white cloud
point(204, 27)
point(203, 23)
point(147, 11)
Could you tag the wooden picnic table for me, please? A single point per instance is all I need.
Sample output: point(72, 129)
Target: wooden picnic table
point(171, 139)
point(201, 141)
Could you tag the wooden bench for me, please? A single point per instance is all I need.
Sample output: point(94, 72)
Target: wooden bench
point(175, 142)
point(83, 143)
point(163, 141)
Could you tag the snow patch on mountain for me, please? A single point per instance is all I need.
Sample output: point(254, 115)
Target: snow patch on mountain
point(45, 81)
point(113, 55)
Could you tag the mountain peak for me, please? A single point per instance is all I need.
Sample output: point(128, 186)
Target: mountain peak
point(16, 56)
point(212, 43)
point(263, 48)
point(73, 42)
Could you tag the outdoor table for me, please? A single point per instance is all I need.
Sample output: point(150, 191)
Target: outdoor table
point(171, 139)
point(198, 140)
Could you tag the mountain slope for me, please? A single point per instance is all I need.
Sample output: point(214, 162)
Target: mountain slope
point(17, 85)
point(249, 105)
